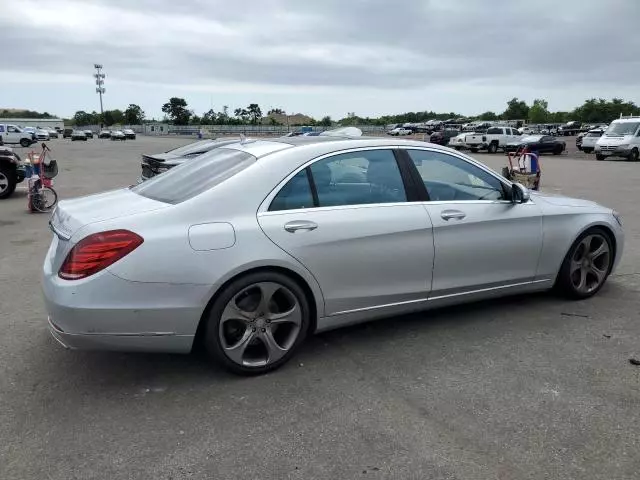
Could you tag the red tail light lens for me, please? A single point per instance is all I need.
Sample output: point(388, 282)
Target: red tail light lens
point(96, 252)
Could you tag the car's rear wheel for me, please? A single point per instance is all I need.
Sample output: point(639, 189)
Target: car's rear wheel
point(587, 264)
point(257, 322)
point(8, 181)
point(493, 147)
point(474, 150)
point(600, 157)
point(558, 150)
point(25, 142)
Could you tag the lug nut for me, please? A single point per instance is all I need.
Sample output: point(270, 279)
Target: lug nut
point(253, 329)
point(264, 329)
point(268, 320)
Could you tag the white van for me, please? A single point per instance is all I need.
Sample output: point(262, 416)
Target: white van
point(14, 135)
point(621, 139)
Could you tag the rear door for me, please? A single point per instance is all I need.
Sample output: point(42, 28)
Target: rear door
point(481, 239)
point(350, 220)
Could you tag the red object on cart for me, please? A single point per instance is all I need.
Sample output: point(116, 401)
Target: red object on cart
point(524, 168)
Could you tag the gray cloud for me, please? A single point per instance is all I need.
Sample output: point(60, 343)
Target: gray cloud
point(500, 45)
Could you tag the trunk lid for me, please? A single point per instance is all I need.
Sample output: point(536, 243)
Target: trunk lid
point(71, 215)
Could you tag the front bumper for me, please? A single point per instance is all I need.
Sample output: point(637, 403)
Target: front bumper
point(613, 150)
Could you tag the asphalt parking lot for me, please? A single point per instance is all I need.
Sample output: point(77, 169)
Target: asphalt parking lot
point(524, 388)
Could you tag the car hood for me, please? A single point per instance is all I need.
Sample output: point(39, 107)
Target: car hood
point(608, 139)
point(562, 201)
point(71, 215)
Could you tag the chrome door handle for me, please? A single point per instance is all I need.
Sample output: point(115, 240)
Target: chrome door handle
point(296, 225)
point(449, 214)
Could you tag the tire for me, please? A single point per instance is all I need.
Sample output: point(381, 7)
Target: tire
point(247, 334)
point(574, 263)
point(25, 142)
point(493, 147)
point(600, 157)
point(633, 156)
point(474, 150)
point(557, 150)
point(579, 147)
point(8, 181)
point(587, 150)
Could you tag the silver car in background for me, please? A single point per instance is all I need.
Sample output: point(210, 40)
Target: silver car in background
point(251, 247)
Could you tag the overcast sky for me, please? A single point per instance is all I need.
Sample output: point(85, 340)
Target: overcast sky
point(321, 57)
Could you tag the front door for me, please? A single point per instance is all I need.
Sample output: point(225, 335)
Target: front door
point(481, 239)
point(13, 134)
point(348, 220)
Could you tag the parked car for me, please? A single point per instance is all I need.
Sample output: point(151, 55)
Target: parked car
point(400, 131)
point(493, 139)
point(66, 133)
point(11, 171)
point(538, 143)
point(53, 133)
point(88, 133)
point(443, 137)
point(590, 138)
point(243, 262)
point(621, 139)
point(569, 128)
point(457, 142)
point(78, 135)
point(130, 134)
point(118, 135)
point(14, 135)
point(104, 134)
point(153, 165)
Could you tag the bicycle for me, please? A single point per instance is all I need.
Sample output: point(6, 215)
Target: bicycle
point(42, 197)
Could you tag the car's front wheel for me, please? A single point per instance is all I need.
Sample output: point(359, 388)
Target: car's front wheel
point(587, 264)
point(600, 157)
point(257, 322)
point(633, 156)
point(8, 180)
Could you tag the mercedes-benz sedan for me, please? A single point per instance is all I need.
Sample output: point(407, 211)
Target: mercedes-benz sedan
point(255, 245)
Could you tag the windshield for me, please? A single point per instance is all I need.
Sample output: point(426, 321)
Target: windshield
point(531, 138)
point(195, 176)
point(623, 128)
point(594, 134)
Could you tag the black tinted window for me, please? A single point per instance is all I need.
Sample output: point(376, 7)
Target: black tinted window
point(196, 176)
point(451, 178)
point(494, 131)
point(295, 194)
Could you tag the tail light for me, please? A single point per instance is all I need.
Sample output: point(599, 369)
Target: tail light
point(96, 252)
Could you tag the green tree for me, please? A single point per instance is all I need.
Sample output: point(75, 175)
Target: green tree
point(326, 121)
point(108, 118)
point(209, 118)
point(277, 111)
point(134, 115)
point(539, 111)
point(177, 111)
point(489, 116)
point(81, 118)
point(254, 112)
point(516, 110)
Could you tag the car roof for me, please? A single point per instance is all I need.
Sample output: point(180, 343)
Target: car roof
point(627, 120)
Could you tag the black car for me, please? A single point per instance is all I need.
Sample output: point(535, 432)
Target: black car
point(538, 143)
point(104, 134)
point(153, 165)
point(66, 133)
point(12, 171)
point(442, 137)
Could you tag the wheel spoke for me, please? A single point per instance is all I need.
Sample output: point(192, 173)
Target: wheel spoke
point(233, 312)
point(274, 351)
point(601, 250)
point(600, 274)
point(267, 291)
point(236, 352)
point(582, 283)
point(575, 265)
point(292, 316)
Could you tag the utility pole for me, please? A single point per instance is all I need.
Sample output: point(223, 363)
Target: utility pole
point(99, 76)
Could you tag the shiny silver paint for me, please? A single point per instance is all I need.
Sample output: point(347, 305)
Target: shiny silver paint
point(359, 262)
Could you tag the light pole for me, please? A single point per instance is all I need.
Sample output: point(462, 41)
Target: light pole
point(99, 76)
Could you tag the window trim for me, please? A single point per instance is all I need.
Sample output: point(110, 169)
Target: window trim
point(506, 187)
point(408, 181)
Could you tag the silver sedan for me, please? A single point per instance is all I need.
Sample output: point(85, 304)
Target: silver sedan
point(251, 247)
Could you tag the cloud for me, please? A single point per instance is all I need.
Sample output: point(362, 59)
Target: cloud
point(402, 50)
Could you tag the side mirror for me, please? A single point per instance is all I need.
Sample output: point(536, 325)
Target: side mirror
point(519, 193)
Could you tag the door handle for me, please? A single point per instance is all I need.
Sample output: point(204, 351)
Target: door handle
point(455, 214)
point(296, 225)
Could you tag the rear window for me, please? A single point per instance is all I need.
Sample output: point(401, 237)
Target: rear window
point(195, 177)
point(196, 147)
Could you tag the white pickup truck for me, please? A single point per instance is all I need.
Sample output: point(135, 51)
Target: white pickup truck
point(13, 135)
point(493, 139)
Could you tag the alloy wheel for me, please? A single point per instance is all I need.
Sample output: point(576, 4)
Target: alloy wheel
point(4, 183)
point(260, 324)
point(590, 263)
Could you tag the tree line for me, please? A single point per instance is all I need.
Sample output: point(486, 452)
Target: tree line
point(132, 115)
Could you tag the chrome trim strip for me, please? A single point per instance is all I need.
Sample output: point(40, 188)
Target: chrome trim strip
point(58, 232)
point(450, 295)
point(364, 309)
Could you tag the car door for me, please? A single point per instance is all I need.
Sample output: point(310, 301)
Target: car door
point(482, 240)
point(547, 144)
point(13, 134)
point(349, 219)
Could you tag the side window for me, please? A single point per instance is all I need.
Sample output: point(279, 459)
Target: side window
point(451, 178)
point(370, 176)
point(295, 194)
point(11, 129)
point(1, 128)
point(494, 131)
